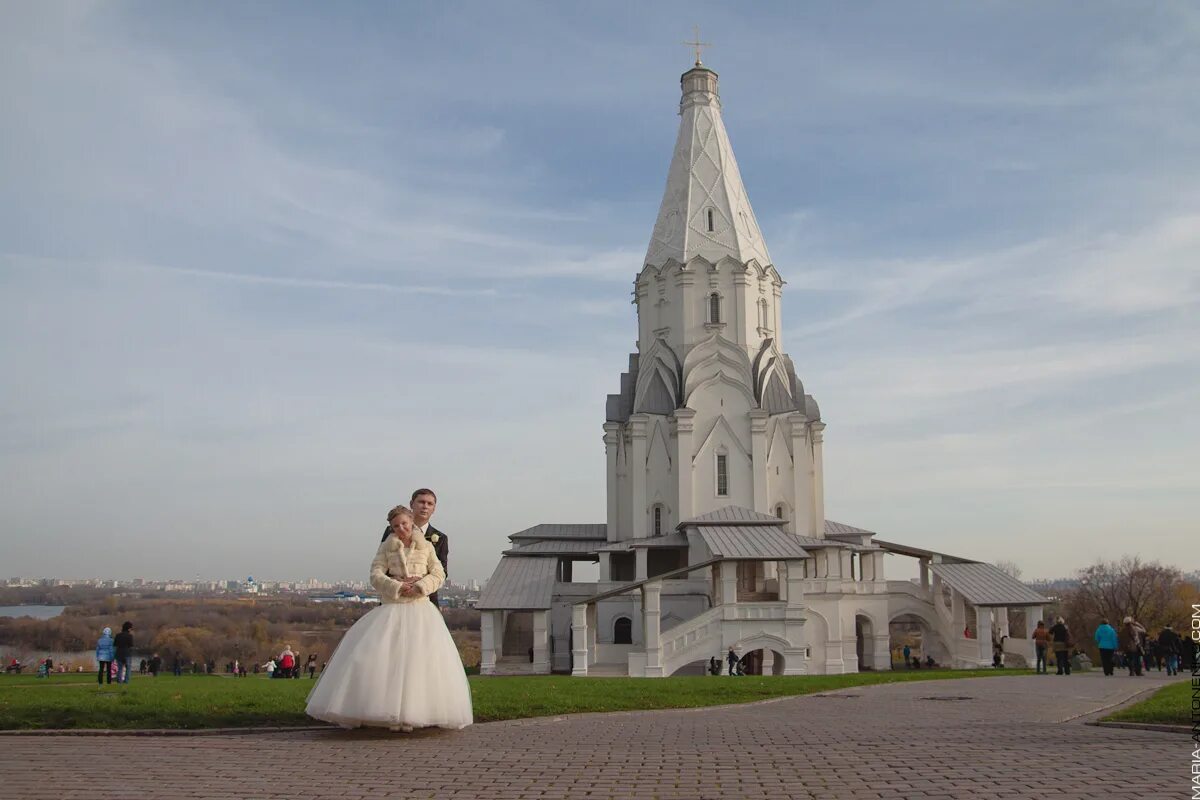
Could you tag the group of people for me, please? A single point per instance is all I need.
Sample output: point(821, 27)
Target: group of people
point(1130, 646)
point(288, 665)
point(1133, 648)
point(114, 655)
point(398, 667)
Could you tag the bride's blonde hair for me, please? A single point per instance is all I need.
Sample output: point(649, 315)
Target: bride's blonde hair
point(397, 511)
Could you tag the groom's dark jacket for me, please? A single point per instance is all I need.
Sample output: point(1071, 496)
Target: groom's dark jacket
point(441, 547)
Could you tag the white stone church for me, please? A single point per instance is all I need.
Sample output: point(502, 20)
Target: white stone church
point(716, 536)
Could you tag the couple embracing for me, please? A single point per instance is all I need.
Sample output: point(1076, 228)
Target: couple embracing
point(398, 666)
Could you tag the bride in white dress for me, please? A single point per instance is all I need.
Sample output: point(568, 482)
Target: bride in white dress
point(398, 666)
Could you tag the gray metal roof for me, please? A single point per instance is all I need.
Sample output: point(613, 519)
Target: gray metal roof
point(986, 585)
point(554, 547)
point(920, 552)
point(614, 547)
point(765, 542)
point(520, 583)
point(842, 529)
point(564, 530)
point(667, 540)
point(734, 515)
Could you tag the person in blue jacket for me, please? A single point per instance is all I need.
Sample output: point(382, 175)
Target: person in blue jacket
point(104, 656)
point(1106, 641)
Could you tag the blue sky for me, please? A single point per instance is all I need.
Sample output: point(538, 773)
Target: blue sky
point(266, 267)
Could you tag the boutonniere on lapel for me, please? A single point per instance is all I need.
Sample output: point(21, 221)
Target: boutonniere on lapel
point(434, 538)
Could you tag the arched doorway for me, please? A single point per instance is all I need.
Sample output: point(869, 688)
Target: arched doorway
point(623, 631)
point(914, 630)
point(762, 655)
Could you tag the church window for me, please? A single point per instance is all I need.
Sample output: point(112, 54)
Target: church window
point(714, 307)
point(658, 520)
point(722, 475)
point(710, 220)
point(623, 631)
point(779, 511)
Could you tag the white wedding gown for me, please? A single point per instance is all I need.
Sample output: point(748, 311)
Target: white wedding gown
point(396, 666)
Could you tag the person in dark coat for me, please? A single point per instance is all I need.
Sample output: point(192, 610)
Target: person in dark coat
point(732, 658)
point(123, 642)
point(1169, 645)
point(1061, 636)
point(1129, 639)
point(423, 503)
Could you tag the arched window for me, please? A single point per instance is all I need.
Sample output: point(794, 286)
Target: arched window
point(709, 214)
point(714, 307)
point(779, 511)
point(658, 520)
point(623, 631)
point(722, 475)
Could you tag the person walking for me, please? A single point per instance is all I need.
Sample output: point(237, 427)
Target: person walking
point(311, 665)
point(286, 663)
point(124, 651)
point(1129, 639)
point(176, 664)
point(104, 656)
point(732, 658)
point(270, 667)
point(1061, 637)
point(1106, 643)
point(907, 657)
point(1169, 645)
point(1041, 642)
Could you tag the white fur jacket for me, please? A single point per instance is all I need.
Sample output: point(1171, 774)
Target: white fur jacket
point(417, 560)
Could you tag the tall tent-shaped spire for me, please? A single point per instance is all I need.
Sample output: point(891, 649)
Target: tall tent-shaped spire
point(705, 211)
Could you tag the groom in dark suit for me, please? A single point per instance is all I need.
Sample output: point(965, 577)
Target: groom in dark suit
point(423, 504)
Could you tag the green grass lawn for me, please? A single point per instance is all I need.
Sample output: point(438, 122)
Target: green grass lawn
point(1170, 705)
point(199, 701)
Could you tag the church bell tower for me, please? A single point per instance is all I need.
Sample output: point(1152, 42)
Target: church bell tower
point(710, 412)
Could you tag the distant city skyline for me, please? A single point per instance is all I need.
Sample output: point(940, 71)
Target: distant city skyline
point(268, 267)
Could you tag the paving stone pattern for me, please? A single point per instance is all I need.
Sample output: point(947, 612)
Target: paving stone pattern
point(978, 738)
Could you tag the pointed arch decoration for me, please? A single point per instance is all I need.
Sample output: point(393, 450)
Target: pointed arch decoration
point(721, 424)
point(716, 355)
point(659, 362)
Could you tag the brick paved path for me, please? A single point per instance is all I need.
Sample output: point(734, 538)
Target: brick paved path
point(984, 738)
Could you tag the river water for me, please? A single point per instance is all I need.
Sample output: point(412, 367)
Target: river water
point(37, 612)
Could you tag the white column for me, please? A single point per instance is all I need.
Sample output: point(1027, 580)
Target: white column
point(758, 452)
point(684, 419)
point(489, 638)
point(835, 661)
point(637, 473)
point(641, 558)
point(592, 628)
point(605, 567)
point(651, 616)
point(745, 323)
point(882, 651)
point(802, 513)
point(924, 567)
point(612, 433)
point(1032, 615)
point(792, 583)
point(541, 642)
point(1001, 621)
point(728, 572)
point(579, 640)
point(983, 619)
point(818, 485)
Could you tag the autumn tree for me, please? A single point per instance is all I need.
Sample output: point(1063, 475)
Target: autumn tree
point(1153, 594)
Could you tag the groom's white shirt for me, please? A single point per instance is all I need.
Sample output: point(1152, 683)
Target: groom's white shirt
point(422, 528)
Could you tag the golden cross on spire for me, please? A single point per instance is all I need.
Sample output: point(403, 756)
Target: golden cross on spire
point(698, 44)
